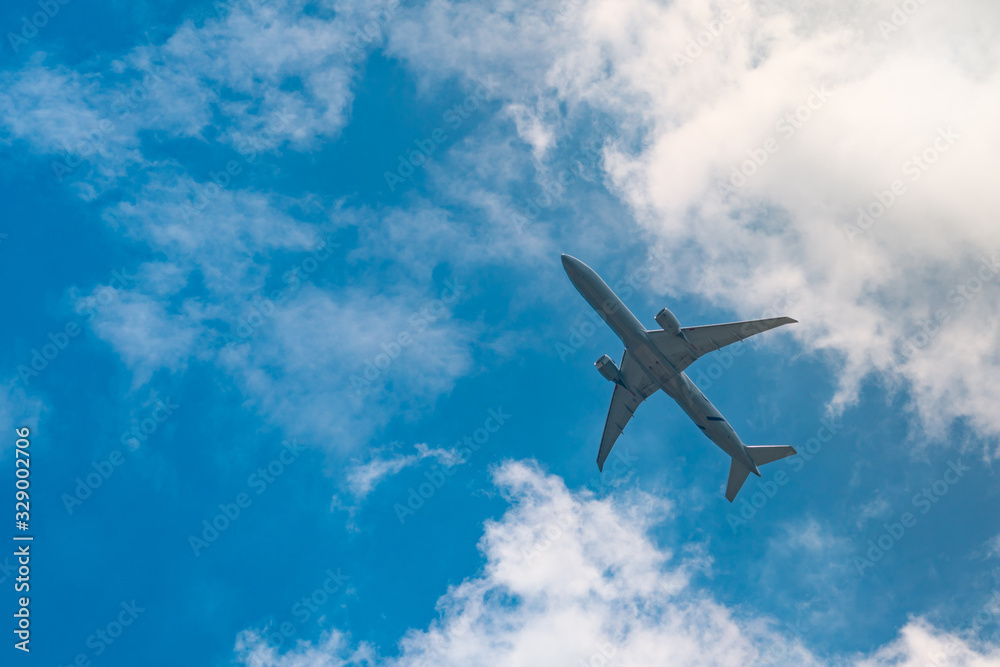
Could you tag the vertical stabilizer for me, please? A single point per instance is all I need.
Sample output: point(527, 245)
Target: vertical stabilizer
point(737, 475)
point(759, 455)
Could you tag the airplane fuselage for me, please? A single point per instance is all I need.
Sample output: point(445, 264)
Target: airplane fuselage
point(676, 384)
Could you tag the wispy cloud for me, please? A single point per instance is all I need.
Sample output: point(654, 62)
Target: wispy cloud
point(362, 478)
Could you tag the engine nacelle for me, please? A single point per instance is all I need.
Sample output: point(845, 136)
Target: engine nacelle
point(669, 322)
point(608, 368)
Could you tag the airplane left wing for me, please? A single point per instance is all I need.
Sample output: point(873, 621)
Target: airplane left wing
point(625, 400)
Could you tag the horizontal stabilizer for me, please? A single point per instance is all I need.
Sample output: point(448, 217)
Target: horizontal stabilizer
point(767, 453)
point(737, 475)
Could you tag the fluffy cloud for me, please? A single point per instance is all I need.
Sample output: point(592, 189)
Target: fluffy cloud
point(754, 137)
point(570, 580)
point(920, 644)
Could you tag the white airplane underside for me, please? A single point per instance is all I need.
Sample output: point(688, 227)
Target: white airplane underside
point(656, 359)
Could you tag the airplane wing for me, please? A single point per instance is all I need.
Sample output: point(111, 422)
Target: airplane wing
point(702, 340)
point(623, 404)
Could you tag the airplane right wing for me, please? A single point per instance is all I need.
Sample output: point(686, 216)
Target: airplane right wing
point(716, 336)
point(625, 400)
point(704, 339)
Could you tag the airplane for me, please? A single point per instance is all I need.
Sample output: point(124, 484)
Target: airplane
point(656, 359)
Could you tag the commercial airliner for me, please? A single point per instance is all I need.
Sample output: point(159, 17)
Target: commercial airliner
point(656, 360)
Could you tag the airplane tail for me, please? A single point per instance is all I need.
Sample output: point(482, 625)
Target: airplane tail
point(759, 455)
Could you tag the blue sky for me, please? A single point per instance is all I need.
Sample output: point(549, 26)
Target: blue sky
point(239, 297)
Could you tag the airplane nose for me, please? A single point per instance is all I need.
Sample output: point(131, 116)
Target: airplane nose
point(569, 263)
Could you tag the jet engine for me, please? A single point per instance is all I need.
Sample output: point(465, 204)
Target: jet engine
point(608, 368)
point(668, 321)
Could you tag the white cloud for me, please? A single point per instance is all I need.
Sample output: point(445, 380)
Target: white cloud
point(18, 409)
point(569, 580)
point(993, 547)
point(62, 113)
point(920, 644)
point(272, 73)
point(225, 235)
point(319, 366)
point(877, 100)
point(257, 77)
point(877, 508)
point(362, 478)
point(259, 62)
point(140, 329)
